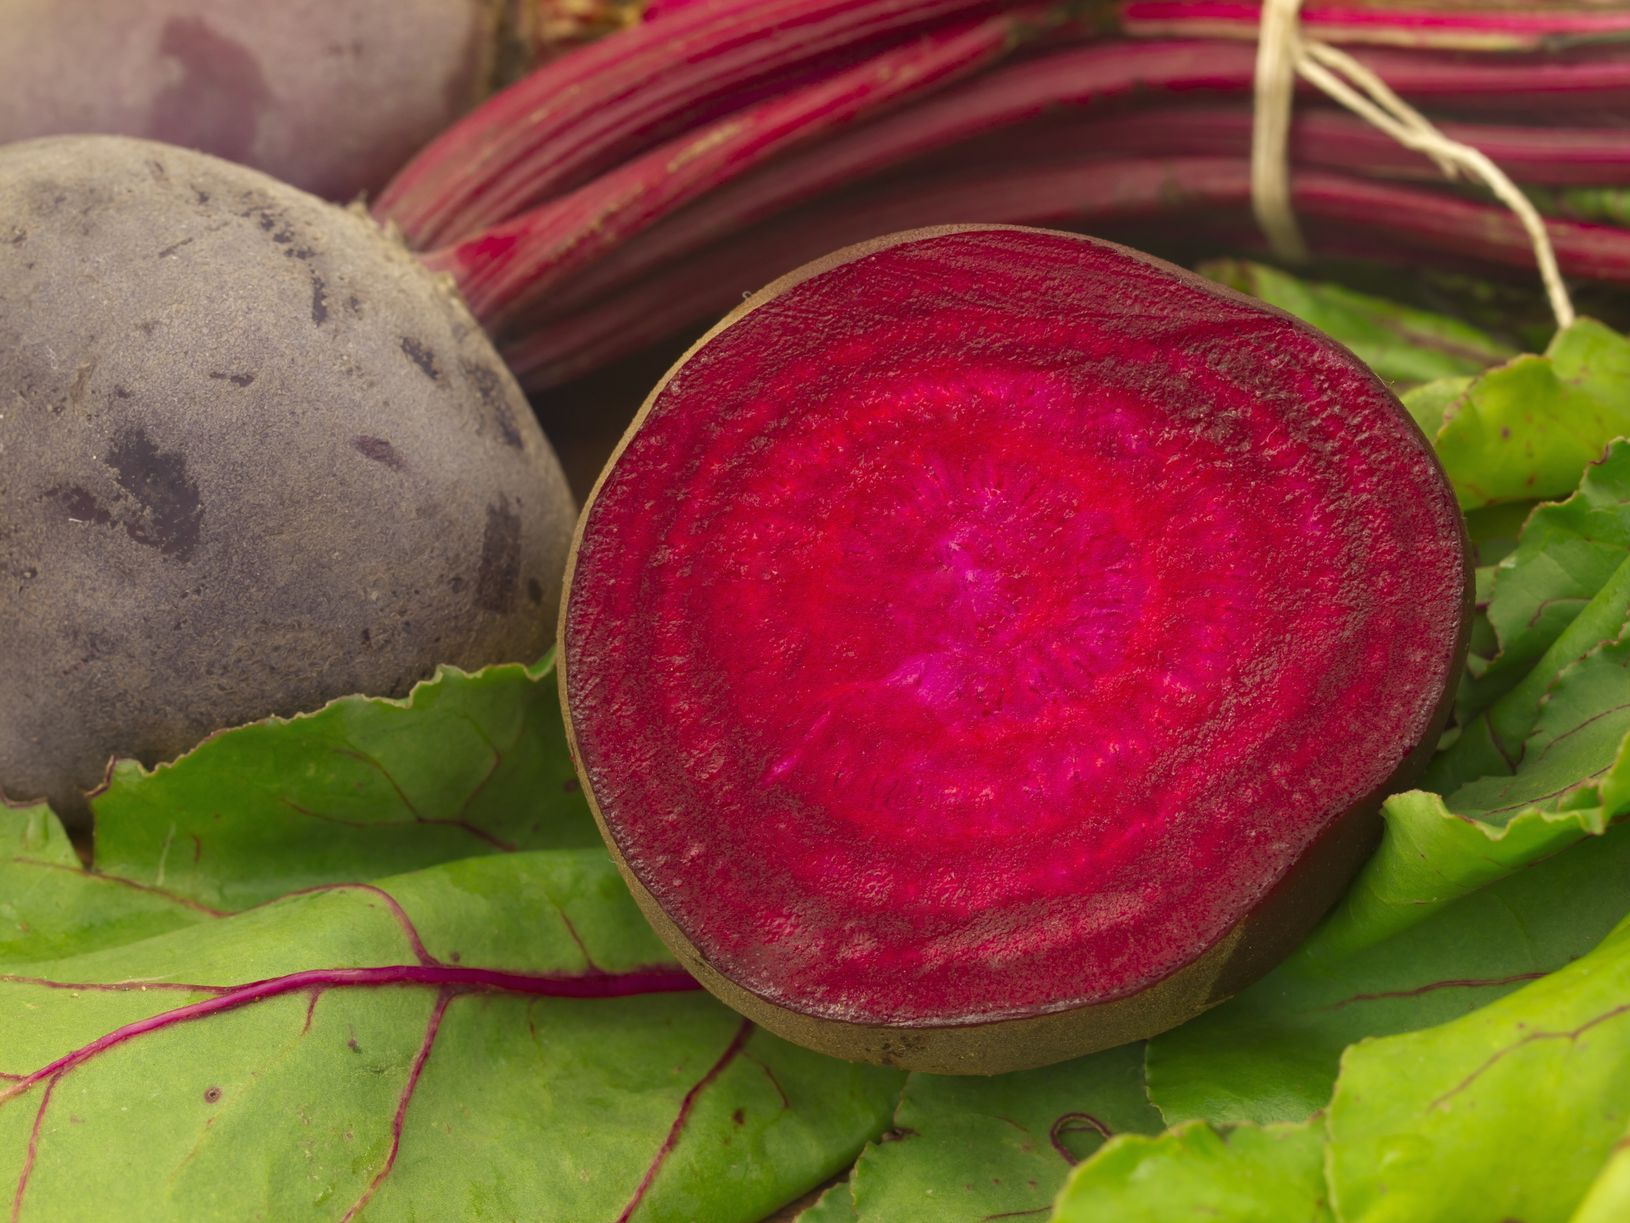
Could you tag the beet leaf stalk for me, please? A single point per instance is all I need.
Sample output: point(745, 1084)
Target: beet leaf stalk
point(509, 266)
point(1486, 27)
point(591, 109)
point(1344, 213)
point(578, 245)
point(1553, 156)
point(603, 103)
point(1047, 107)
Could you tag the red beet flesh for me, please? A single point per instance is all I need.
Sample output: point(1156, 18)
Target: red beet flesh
point(986, 624)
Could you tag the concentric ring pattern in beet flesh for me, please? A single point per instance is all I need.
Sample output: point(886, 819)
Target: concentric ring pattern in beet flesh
point(980, 626)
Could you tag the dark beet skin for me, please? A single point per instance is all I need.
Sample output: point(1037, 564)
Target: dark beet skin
point(991, 645)
point(330, 95)
point(252, 457)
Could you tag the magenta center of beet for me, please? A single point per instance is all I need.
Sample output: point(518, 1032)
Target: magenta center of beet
point(957, 657)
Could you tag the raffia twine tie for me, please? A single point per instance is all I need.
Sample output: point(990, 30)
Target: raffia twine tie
point(1283, 54)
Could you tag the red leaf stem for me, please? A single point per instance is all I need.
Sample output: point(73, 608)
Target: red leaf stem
point(185, 902)
point(399, 1119)
point(32, 1152)
point(1039, 99)
point(1083, 194)
point(506, 267)
point(589, 110)
point(655, 979)
point(743, 1031)
point(1548, 27)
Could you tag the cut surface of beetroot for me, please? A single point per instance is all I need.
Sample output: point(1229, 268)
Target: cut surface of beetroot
point(988, 625)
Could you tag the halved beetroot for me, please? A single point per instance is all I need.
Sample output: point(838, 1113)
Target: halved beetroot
point(991, 645)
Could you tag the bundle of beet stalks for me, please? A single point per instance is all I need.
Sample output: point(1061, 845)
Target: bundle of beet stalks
point(638, 186)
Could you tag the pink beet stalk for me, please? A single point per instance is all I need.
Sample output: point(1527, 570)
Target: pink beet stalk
point(1538, 27)
point(1023, 95)
point(506, 267)
point(590, 109)
point(1080, 193)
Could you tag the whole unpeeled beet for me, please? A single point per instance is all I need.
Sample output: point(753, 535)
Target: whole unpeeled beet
point(253, 457)
point(991, 645)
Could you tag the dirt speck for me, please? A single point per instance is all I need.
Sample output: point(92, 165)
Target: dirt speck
point(379, 450)
point(422, 357)
point(171, 514)
point(500, 567)
point(78, 504)
point(319, 300)
point(490, 387)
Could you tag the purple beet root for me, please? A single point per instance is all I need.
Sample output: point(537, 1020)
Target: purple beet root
point(329, 95)
point(992, 645)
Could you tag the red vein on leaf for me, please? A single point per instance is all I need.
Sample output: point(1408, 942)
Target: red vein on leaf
point(655, 979)
point(416, 821)
point(112, 987)
point(492, 771)
point(121, 881)
point(378, 766)
point(391, 903)
point(402, 1102)
point(770, 1074)
point(578, 939)
point(418, 816)
point(1530, 1038)
point(743, 1031)
point(1432, 986)
point(1544, 605)
point(32, 1152)
point(311, 1010)
point(1536, 799)
point(1074, 1123)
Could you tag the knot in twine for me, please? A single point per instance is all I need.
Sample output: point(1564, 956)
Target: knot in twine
point(1283, 54)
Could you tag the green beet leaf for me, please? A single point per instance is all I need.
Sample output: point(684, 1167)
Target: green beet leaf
point(1566, 555)
point(963, 1150)
point(1527, 428)
point(498, 1037)
point(1609, 205)
point(1458, 906)
point(1510, 1112)
point(1403, 345)
point(833, 1206)
point(1420, 940)
point(1242, 1174)
point(50, 907)
point(1608, 1198)
point(464, 765)
point(1560, 595)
